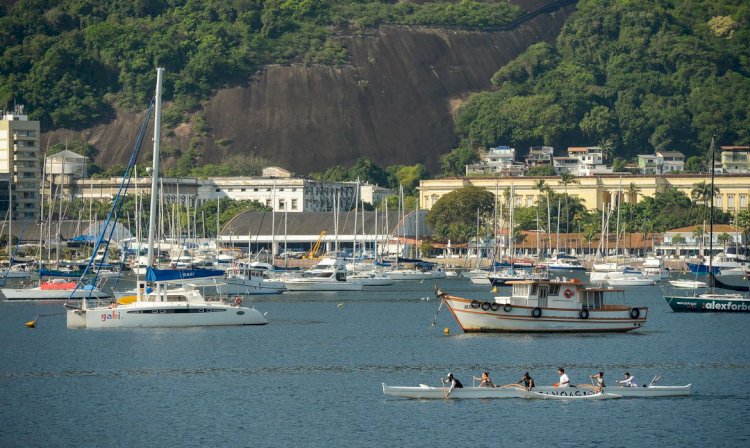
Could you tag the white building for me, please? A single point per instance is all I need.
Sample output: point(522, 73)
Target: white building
point(499, 160)
point(582, 161)
point(540, 155)
point(663, 162)
point(19, 163)
point(374, 194)
point(281, 193)
point(65, 166)
point(735, 159)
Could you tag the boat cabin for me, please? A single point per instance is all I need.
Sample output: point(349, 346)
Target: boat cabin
point(564, 294)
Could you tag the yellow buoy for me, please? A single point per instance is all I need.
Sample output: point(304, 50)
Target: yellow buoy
point(32, 323)
point(447, 330)
point(494, 289)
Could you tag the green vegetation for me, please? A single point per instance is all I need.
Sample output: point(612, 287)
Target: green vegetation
point(453, 217)
point(70, 62)
point(630, 76)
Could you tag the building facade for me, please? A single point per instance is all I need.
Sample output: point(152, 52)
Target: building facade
point(596, 192)
point(735, 159)
point(282, 194)
point(19, 164)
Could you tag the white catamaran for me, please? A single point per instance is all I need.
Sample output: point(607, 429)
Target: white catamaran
point(155, 304)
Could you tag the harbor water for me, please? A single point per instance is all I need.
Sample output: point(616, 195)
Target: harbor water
point(312, 377)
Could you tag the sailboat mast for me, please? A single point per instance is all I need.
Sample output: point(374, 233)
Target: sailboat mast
point(155, 170)
point(711, 217)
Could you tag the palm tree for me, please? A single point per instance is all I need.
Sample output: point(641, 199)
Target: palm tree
point(633, 191)
point(565, 179)
point(724, 239)
point(678, 239)
point(702, 192)
point(589, 233)
point(698, 238)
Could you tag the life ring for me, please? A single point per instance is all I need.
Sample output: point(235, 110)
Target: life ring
point(486, 305)
point(568, 293)
point(507, 307)
point(495, 306)
point(584, 314)
point(635, 313)
point(536, 312)
point(238, 300)
point(475, 304)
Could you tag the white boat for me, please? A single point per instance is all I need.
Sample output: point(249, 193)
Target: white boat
point(630, 280)
point(688, 284)
point(247, 281)
point(412, 274)
point(424, 391)
point(164, 307)
point(328, 275)
point(654, 268)
point(155, 304)
point(478, 276)
point(541, 306)
point(370, 278)
point(564, 264)
point(54, 289)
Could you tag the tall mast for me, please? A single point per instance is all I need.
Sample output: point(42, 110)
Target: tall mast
point(155, 170)
point(711, 217)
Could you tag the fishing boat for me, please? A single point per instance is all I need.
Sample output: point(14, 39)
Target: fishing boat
point(542, 306)
point(157, 303)
point(632, 279)
point(710, 301)
point(424, 391)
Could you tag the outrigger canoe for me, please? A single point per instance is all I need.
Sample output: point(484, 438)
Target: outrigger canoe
point(424, 391)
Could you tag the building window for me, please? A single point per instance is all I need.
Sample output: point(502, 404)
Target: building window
point(743, 201)
point(281, 189)
point(730, 201)
point(218, 190)
point(281, 204)
point(268, 202)
point(294, 189)
point(255, 189)
point(294, 204)
point(242, 189)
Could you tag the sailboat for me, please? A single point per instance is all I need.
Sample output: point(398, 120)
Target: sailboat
point(155, 303)
point(710, 301)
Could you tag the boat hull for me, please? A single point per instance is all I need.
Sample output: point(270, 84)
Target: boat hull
point(142, 315)
point(292, 285)
point(521, 319)
point(51, 294)
point(251, 287)
point(708, 304)
point(428, 392)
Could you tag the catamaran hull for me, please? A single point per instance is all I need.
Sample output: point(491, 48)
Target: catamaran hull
point(428, 392)
point(143, 315)
point(708, 305)
point(499, 318)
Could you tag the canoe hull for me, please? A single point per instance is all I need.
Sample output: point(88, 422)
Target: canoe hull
point(427, 392)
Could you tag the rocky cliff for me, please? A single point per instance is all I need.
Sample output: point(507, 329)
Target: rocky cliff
point(393, 103)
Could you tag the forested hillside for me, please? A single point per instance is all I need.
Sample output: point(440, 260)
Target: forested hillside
point(630, 76)
point(72, 61)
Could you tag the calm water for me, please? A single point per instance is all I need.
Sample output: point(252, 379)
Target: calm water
point(312, 377)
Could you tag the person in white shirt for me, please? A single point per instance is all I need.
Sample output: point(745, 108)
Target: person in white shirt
point(629, 381)
point(564, 380)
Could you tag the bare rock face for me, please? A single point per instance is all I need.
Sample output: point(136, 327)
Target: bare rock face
point(394, 103)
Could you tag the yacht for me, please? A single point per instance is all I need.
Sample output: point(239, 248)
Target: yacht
point(328, 275)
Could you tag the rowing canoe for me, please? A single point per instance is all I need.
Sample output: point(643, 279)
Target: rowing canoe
point(424, 391)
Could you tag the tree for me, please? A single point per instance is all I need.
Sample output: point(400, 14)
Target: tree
point(678, 239)
point(633, 191)
point(408, 176)
point(698, 238)
point(453, 215)
point(454, 163)
point(540, 170)
point(695, 164)
point(724, 239)
point(565, 179)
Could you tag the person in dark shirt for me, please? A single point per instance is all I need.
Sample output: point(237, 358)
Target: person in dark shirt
point(528, 381)
point(454, 384)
